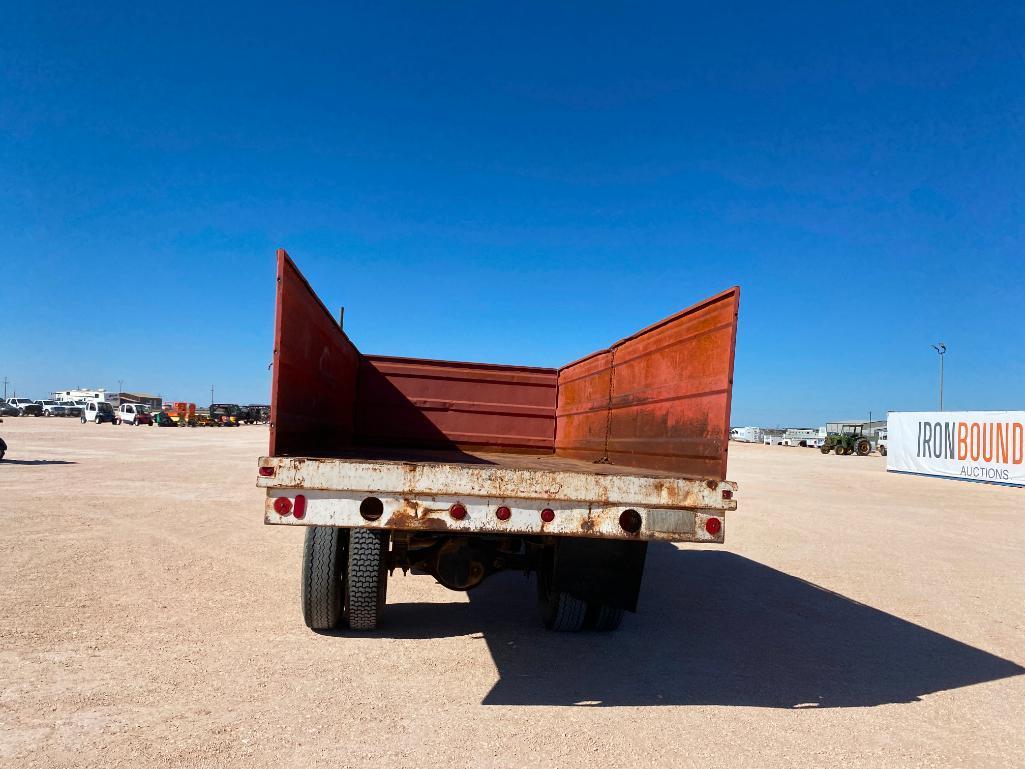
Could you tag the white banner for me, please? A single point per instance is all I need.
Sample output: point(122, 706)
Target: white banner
point(971, 445)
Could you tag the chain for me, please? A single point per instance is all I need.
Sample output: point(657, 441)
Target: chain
point(604, 460)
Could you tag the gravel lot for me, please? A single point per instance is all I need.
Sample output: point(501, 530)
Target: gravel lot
point(148, 618)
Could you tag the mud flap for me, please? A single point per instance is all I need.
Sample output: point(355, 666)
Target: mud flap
point(598, 571)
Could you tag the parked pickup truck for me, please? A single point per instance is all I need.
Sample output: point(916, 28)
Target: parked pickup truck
point(462, 470)
point(53, 409)
point(73, 408)
point(27, 407)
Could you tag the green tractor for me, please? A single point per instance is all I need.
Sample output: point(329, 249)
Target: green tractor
point(848, 439)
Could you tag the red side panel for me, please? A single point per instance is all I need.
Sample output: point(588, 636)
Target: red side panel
point(313, 390)
point(444, 404)
point(659, 399)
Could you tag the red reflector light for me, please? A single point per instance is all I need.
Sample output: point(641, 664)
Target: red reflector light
point(548, 515)
point(630, 521)
point(457, 511)
point(282, 505)
point(727, 494)
point(267, 472)
point(713, 526)
point(299, 508)
point(503, 513)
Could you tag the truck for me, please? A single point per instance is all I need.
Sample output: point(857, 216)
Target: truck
point(462, 470)
point(27, 407)
point(882, 442)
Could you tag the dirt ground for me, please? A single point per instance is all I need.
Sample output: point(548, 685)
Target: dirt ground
point(148, 618)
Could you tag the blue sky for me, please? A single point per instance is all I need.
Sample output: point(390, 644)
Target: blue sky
point(518, 183)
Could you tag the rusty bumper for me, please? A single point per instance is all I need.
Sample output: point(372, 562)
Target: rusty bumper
point(462, 499)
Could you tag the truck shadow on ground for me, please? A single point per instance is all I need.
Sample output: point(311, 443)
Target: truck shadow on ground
point(35, 462)
point(714, 628)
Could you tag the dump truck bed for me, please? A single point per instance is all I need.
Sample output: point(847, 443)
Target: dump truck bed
point(626, 442)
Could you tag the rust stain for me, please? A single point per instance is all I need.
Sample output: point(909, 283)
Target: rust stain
point(407, 518)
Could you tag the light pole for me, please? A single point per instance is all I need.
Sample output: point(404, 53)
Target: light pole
point(941, 350)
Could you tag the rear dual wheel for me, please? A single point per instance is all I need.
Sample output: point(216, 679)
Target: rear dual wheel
point(345, 577)
point(565, 613)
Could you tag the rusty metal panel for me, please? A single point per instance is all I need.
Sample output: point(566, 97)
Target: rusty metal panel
point(659, 399)
point(430, 514)
point(313, 389)
point(522, 480)
point(448, 404)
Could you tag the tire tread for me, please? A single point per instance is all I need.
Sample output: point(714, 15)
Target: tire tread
point(367, 578)
point(323, 556)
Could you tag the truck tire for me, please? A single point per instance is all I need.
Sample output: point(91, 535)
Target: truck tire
point(563, 613)
point(882, 451)
point(602, 618)
point(366, 580)
point(324, 555)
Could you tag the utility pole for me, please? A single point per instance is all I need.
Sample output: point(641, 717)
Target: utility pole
point(941, 350)
point(211, 395)
point(6, 380)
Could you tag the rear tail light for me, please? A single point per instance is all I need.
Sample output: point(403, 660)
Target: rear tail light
point(727, 494)
point(548, 515)
point(282, 505)
point(503, 513)
point(299, 508)
point(457, 511)
point(267, 472)
point(713, 526)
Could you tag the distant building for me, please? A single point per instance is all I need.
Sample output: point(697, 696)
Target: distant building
point(155, 402)
point(772, 436)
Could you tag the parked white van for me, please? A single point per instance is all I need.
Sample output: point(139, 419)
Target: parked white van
point(98, 412)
